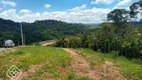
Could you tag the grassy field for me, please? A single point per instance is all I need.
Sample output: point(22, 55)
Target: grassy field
point(41, 63)
point(43, 60)
point(132, 69)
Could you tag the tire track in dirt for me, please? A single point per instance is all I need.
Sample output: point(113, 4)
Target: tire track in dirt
point(81, 67)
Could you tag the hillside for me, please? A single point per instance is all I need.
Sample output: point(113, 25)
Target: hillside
point(38, 31)
point(51, 63)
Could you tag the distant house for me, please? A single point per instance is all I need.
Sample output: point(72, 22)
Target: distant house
point(8, 43)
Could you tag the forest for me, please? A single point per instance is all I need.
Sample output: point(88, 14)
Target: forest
point(37, 31)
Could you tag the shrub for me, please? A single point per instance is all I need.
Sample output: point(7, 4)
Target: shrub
point(129, 49)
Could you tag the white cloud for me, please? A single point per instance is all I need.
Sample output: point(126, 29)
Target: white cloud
point(102, 2)
point(124, 2)
point(10, 3)
point(25, 11)
point(84, 6)
point(75, 15)
point(47, 5)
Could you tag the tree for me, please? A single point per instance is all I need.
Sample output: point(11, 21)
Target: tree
point(135, 9)
point(118, 16)
point(84, 42)
point(105, 40)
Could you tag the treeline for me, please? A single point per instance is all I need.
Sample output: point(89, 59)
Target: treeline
point(38, 31)
point(117, 34)
point(106, 40)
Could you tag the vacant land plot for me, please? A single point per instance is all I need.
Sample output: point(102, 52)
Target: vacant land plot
point(50, 63)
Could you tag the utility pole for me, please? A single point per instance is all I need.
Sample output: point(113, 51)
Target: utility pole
point(22, 38)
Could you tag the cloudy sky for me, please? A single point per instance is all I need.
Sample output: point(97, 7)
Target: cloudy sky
point(72, 11)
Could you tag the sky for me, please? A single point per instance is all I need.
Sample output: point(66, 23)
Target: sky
point(71, 11)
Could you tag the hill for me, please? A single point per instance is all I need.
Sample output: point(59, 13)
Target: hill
point(38, 30)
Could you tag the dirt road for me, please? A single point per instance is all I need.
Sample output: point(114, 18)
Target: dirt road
point(49, 42)
point(81, 67)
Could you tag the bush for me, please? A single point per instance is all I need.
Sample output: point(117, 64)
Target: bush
point(74, 42)
point(129, 49)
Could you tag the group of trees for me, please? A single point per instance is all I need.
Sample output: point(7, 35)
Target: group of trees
point(106, 40)
point(127, 44)
point(129, 38)
point(74, 42)
point(119, 34)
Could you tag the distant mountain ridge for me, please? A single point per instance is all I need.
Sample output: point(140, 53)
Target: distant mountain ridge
point(138, 23)
point(38, 30)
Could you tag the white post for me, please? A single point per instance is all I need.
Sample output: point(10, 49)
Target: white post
point(22, 38)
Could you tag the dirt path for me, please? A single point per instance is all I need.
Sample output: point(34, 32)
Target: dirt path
point(45, 43)
point(81, 67)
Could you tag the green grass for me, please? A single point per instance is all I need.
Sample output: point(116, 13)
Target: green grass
point(72, 76)
point(132, 69)
point(23, 57)
point(51, 57)
point(48, 57)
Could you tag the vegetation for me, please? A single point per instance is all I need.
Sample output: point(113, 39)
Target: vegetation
point(39, 63)
point(132, 69)
point(107, 40)
point(120, 35)
point(25, 57)
point(118, 40)
point(42, 63)
point(37, 31)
